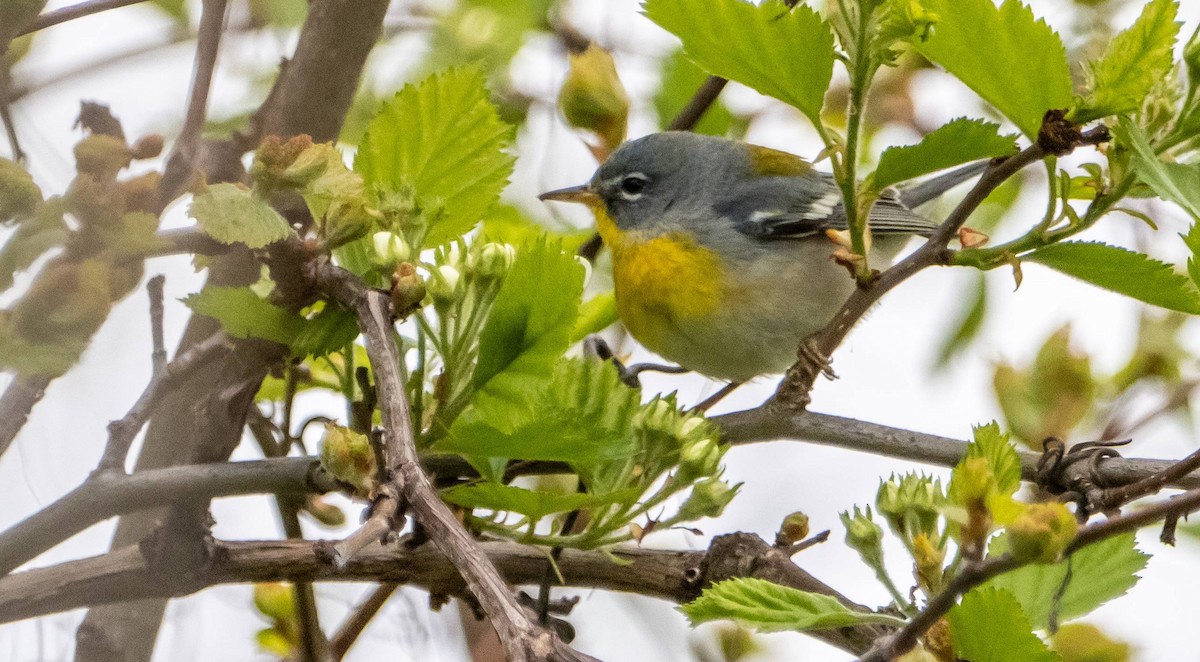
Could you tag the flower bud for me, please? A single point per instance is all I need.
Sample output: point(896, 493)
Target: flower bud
point(349, 457)
point(700, 458)
point(445, 285)
point(324, 512)
point(864, 536)
point(345, 221)
point(656, 416)
point(689, 424)
point(492, 260)
point(147, 147)
point(929, 559)
point(708, 499)
point(390, 250)
point(1042, 532)
point(910, 503)
point(793, 529)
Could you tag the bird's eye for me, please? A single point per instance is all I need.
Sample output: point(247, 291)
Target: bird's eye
point(633, 185)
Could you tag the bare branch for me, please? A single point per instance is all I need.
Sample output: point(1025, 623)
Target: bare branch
point(72, 12)
point(354, 625)
point(699, 104)
point(212, 23)
point(761, 424)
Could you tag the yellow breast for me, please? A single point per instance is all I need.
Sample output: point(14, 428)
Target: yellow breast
point(661, 282)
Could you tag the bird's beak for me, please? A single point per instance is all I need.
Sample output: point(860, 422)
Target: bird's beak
point(582, 194)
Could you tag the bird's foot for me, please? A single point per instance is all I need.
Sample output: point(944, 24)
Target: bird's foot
point(597, 347)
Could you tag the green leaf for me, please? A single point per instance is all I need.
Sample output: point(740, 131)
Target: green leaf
point(990, 443)
point(1012, 60)
point(230, 214)
point(1176, 182)
point(786, 54)
point(1081, 642)
point(32, 238)
point(595, 315)
point(1136, 60)
point(330, 330)
point(1122, 271)
point(961, 141)
point(1192, 241)
point(968, 326)
point(442, 140)
point(244, 314)
point(680, 80)
point(526, 333)
point(1099, 573)
point(583, 415)
point(534, 504)
point(769, 607)
point(509, 225)
point(988, 626)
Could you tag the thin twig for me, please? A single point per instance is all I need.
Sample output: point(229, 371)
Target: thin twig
point(158, 356)
point(122, 433)
point(358, 620)
point(381, 522)
point(22, 394)
point(700, 102)
point(212, 23)
point(72, 12)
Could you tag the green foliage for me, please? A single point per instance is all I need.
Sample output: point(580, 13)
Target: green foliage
point(230, 214)
point(1098, 573)
point(434, 156)
point(1176, 182)
point(680, 80)
point(244, 314)
point(526, 333)
point(783, 53)
point(961, 141)
point(1080, 642)
point(33, 237)
point(988, 626)
point(1192, 240)
point(759, 604)
point(1123, 271)
point(534, 505)
point(1012, 60)
point(19, 195)
point(1051, 396)
point(1135, 61)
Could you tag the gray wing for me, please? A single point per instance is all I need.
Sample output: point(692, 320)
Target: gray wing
point(798, 207)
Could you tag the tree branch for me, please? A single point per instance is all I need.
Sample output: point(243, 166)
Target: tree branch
point(699, 104)
point(523, 639)
point(22, 394)
point(761, 424)
point(72, 12)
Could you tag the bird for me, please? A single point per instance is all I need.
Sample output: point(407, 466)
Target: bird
point(720, 258)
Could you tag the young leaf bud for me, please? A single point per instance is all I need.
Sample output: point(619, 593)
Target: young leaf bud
point(708, 499)
point(147, 147)
point(1042, 532)
point(348, 456)
point(101, 157)
point(592, 97)
point(408, 290)
point(18, 194)
point(324, 512)
point(491, 260)
point(275, 600)
point(864, 536)
point(793, 529)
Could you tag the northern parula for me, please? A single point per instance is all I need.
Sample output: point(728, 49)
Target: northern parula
point(719, 254)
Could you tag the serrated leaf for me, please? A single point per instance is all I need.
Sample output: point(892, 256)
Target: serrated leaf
point(786, 54)
point(444, 139)
point(1136, 60)
point(990, 443)
point(680, 80)
point(1176, 182)
point(1099, 573)
point(1192, 240)
point(1122, 271)
point(534, 504)
point(582, 416)
point(961, 141)
point(244, 314)
point(526, 333)
point(1014, 61)
point(769, 607)
point(988, 626)
point(231, 215)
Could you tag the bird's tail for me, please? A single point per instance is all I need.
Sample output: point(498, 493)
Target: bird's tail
point(918, 194)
